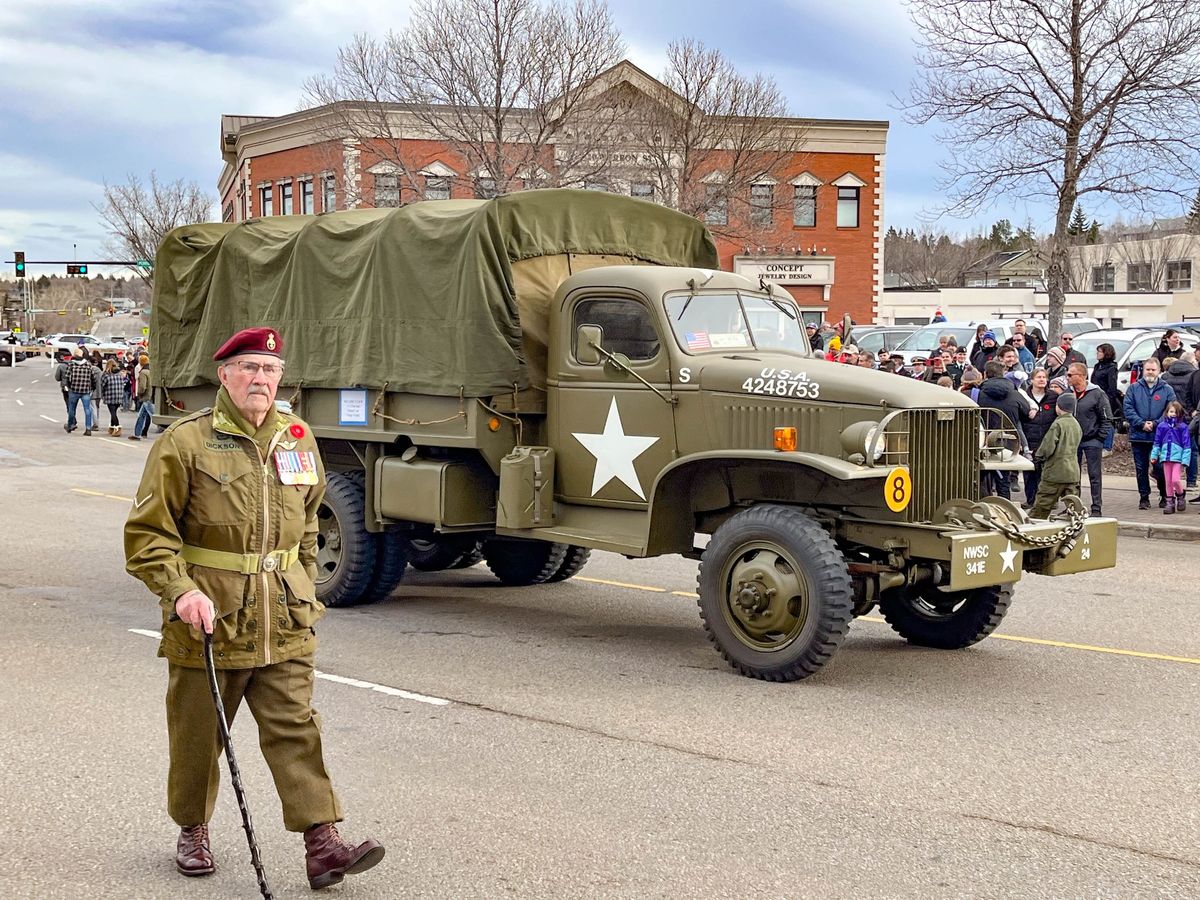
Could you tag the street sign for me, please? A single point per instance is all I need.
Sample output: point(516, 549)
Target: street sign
point(144, 264)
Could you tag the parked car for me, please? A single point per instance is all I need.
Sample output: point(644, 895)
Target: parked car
point(873, 338)
point(70, 341)
point(1132, 345)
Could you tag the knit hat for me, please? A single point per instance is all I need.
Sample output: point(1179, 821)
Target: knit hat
point(1058, 354)
point(989, 336)
point(1066, 402)
point(971, 375)
point(1060, 384)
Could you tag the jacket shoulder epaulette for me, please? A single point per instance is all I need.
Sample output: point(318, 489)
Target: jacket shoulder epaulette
point(190, 417)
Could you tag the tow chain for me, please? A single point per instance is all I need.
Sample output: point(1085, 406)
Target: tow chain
point(1064, 537)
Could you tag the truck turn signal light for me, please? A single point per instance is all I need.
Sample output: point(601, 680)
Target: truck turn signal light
point(785, 437)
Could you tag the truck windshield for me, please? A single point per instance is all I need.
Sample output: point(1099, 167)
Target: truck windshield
point(721, 322)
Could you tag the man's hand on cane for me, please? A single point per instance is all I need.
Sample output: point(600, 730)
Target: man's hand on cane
point(196, 609)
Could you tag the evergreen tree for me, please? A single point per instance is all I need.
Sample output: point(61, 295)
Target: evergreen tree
point(1078, 223)
point(1194, 215)
point(1093, 232)
point(1001, 237)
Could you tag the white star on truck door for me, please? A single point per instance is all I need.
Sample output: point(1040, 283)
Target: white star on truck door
point(615, 452)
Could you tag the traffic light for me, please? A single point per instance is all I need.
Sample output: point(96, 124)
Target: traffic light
point(19, 259)
point(73, 269)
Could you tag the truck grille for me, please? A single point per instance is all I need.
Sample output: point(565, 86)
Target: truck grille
point(943, 456)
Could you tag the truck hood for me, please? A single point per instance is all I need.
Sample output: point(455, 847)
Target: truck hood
point(781, 376)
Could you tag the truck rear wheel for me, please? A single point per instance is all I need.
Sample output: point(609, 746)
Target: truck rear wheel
point(520, 562)
point(433, 554)
point(775, 593)
point(573, 563)
point(345, 549)
point(946, 620)
point(391, 559)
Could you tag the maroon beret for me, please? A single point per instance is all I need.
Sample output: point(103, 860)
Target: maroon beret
point(251, 340)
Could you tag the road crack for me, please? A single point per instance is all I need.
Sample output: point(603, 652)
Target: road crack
point(1083, 838)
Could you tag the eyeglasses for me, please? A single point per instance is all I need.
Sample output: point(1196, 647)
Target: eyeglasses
point(1067, 338)
point(270, 370)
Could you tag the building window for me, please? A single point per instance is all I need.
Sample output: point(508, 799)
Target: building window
point(306, 197)
point(387, 189)
point(643, 190)
point(437, 187)
point(1138, 277)
point(1179, 275)
point(265, 194)
point(716, 205)
point(485, 188)
point(761, 201)
point(804, 212)
point(285, 198)
point(227, 212)
point(847, 210)
point(595, 186)
point(328, 193)
point(1104, 278)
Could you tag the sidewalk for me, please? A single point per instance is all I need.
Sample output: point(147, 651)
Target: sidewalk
point(1121, 501)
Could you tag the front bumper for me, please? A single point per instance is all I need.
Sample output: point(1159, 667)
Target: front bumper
point(985, 558)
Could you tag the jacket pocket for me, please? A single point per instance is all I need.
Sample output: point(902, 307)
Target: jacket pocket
point(223, 490)
point(302, 603)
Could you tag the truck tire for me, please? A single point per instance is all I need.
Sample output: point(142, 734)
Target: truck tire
point(520, 562)
point(775, 593)
point(391, 559)
point(945, 620)
point(345, 549)
point(573, 563)
point(433, 554)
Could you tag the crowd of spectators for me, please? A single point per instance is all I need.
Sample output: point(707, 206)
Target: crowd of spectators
point(1022, 379)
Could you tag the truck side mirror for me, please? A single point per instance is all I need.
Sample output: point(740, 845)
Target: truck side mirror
point(587, 339)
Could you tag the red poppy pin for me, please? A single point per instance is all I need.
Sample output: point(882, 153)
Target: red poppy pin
point(297, 431)
point(1156, 396)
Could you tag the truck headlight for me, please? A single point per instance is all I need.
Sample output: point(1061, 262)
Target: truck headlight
point(859, 440)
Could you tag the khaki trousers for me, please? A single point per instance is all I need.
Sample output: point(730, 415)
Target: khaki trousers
point(289, 735)
point(1048, 495)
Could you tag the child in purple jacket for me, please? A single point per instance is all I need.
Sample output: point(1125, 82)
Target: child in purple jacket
point(1173, 448)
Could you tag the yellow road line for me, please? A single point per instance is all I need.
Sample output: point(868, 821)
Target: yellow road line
point(691, 594)
point(636, 587)
point(102, 494)
point(1067, 645)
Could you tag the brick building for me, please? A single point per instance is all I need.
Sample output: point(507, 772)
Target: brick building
point(814, 224)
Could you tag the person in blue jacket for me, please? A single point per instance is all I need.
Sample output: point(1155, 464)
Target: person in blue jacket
point(1145, 405)
point(1173, 449)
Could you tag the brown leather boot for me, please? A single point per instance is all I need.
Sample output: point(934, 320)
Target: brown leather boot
point(192, 853)
point(328, 858)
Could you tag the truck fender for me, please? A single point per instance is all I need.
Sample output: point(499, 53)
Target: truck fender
point(700, 483)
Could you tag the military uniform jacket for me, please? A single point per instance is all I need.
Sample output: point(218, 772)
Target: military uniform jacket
point(212, 482)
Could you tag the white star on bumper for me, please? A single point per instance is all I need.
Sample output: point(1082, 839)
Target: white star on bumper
point(615, 452)
point(1009, 556)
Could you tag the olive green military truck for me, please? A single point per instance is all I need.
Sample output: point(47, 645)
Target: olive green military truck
point(529, 378)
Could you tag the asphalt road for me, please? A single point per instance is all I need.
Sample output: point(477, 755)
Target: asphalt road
point(585, 740)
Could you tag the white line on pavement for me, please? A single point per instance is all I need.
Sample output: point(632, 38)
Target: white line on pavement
point(48, 419)
point(119, 444)
point(20, 402)
point(35, 381)
point(349, 682)
point(17, 391)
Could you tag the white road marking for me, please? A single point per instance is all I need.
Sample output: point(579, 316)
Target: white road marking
point(349, 682)
point(48, 419)
point(17, 391)
point(35, 381)
point(20, 403)
point(119, 443)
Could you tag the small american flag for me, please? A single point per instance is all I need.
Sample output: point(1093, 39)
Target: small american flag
point(698, 340)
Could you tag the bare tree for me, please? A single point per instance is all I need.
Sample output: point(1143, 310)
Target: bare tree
point(498, 80)
point(927, 257)
point(138, 216)
point(1061, 99)
point(710, 135)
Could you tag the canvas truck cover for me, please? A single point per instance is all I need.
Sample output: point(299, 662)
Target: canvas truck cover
point(423, 298)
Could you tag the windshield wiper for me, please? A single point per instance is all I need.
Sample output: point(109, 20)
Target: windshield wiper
point(782, 307)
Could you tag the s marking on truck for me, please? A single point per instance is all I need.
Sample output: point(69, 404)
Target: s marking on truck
point(685, 375)
point(615, 452)
point(783, 383)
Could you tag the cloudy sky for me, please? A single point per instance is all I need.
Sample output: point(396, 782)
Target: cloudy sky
point(97, 89)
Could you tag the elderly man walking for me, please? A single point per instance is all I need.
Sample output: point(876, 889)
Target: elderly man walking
point(224, 530)
point(1145, 405)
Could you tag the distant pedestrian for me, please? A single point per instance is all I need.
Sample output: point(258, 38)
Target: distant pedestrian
point(985, 352)
point(1104, 376)
point(83, 381)
point(969, 383)
point(1171, 345)
point(112, 389)
point(1064, 344)
point(60, 372)
point(1056, 362)
point(1059, 456)
point(1024, 356)
point(997, 393)
point(1095, 422)
point(1145, 405)
point(1173, 449)
point(1043, 396)
point(145, 405)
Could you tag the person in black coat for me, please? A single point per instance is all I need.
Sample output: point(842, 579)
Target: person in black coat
point(1104, 376)
point(1039, 392)
point(998, 393)
point(984, 351)
point(1171, 345)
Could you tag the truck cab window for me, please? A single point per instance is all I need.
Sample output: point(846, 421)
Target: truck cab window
point(627, 325)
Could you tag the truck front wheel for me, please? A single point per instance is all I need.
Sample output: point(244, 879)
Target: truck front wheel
point(519, 562)
point(946, 620)
point(345, 549)
point(775, 593)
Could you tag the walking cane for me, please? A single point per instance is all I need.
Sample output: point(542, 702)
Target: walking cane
point(234, 773)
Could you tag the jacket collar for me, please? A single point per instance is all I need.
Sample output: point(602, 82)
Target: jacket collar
point(227, 419)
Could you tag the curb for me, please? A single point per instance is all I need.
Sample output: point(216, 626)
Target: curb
point(1160, 532)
